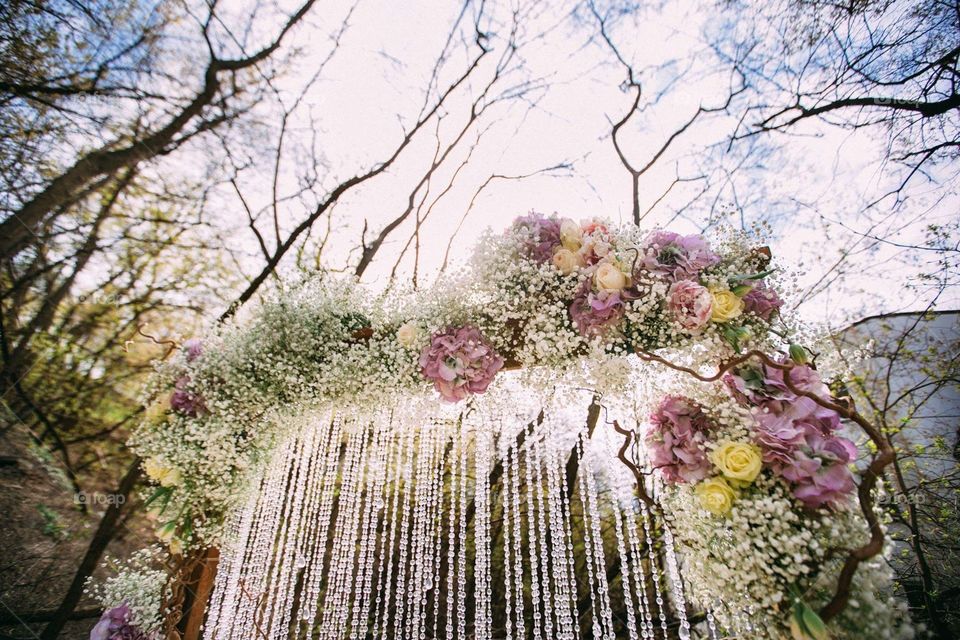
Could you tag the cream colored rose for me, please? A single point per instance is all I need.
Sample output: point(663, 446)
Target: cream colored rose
point(157, 411)
point(408, 334)
point(162, 473)
point(608, 277)
point(726, 306)
point(716, 496)
point(739, 462)
point(176, 547)
point(571, 236)
point(166, 532)
point(565, 261)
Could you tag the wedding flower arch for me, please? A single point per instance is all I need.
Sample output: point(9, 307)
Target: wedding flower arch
point(748, 452)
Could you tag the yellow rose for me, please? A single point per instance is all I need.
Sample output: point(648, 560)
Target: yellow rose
point(565, 261)
point(726, 306)
point(162, 473)
point(571, 236)
point(739, 462)
point(716, 496)
point(608, 277)
point(408, 334)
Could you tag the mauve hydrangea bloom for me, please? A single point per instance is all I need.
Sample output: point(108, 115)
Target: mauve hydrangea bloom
point(690, 304)
point(544, 232)
point(819, 471)
point(115, 624)
point(193, 348)
point(460, 362)
point(675, 440)
point(674, 257)
point(795, 433)
point(762, 301)
point(184, 401)
point(594, 314)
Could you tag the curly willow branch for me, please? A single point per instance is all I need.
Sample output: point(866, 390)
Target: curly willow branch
point(884, 456)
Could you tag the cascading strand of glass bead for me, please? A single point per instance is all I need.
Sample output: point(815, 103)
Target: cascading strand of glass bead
point(477, 526)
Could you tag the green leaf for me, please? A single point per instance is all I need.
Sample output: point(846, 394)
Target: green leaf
point(161, 492)
point(751, 276)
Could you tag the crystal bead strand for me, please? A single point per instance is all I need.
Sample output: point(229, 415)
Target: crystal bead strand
point(673, 571)
point(515, 494)
point(538, 542)
point(413, 490)
point(258, 558)
point(597, 624)
point(308, 540)
point(461, 591)
point(392, 529)
point(225, 598)
point(315, 566)
point(373, 506)
point(482, 587)
point(506, 523)
point(424, 563)
point(558, 561)
point(565, 499)
point(640, 580)
point(431, 527)
point(281, 586)
point(445, 444)
point(451, 534)
point(330, 604)
point(654, 571)
point(606, 614)
point(628, 601)
point(336, 597)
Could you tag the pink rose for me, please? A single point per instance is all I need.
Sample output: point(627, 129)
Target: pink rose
point(690, 304)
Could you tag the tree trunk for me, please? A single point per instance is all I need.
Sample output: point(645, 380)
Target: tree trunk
point(102, 537)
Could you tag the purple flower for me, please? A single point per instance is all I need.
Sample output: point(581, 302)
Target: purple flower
point(674, 257)
point(460, 362)
point(594, 314)
point(544, 235)
point(819, 471)
point(193, 348)
point(690, 304)
point(184, 401)
point(675, 440)
point(762, 301)
point(116, 624)
point(796, 433)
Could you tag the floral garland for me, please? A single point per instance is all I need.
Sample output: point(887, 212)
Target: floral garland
point(545, 293)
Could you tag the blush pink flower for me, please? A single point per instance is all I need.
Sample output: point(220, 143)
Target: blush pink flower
point(193, 348)
point(820, 472)
point(544, 235)
point(674, 257)
point(185, 401)
point(690, 304)
point(460, 362)
point(596, 313)
point(762, 301)
point(115, 624)
point(795, 433)
point(675, 440)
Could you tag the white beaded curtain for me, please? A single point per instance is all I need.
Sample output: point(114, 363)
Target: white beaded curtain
point(480, 525)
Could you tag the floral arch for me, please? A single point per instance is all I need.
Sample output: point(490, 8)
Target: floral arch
point(589, 432)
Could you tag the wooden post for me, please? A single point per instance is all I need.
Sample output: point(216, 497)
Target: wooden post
point(198, 593)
